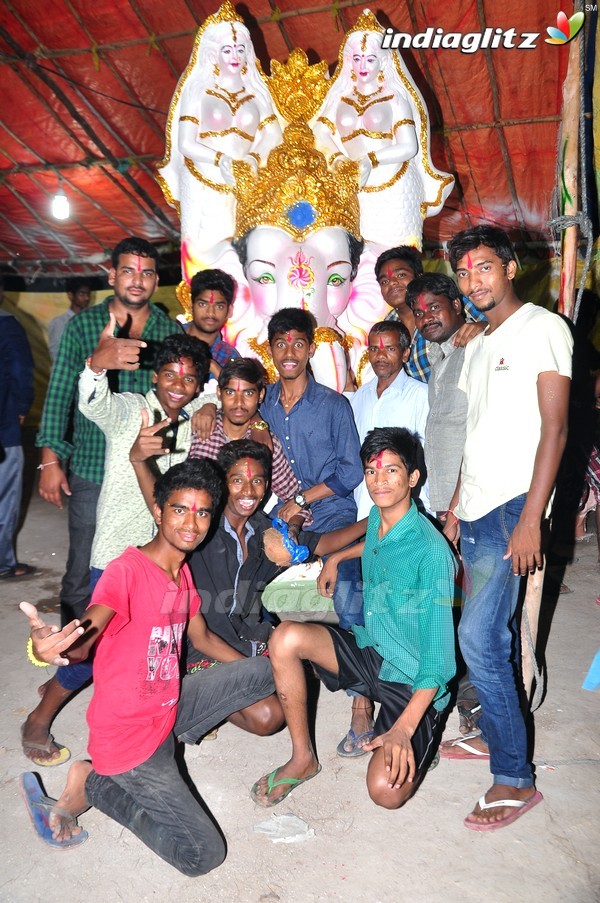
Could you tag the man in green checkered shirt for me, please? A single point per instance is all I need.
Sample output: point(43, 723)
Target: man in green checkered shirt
point(68, 438)
point(403, 657)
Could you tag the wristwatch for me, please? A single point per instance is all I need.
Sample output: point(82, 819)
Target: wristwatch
point(259, 425)
point(300, 499)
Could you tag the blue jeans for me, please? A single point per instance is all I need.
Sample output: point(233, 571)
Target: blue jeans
point(75, 589)
point(347, 595)
point(75, 676)
point(11, 487)
point(489, 640)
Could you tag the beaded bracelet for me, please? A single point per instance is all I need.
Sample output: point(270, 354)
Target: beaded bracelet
point(30, 655)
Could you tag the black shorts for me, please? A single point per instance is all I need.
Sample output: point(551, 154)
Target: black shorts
point(358, 670)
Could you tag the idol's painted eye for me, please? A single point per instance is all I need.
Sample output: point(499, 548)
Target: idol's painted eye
point(336, 279)
point(265, 279)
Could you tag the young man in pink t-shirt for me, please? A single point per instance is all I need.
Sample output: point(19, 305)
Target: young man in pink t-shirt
point(140, 609)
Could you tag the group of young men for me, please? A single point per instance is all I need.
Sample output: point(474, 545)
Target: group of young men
point(176, 612)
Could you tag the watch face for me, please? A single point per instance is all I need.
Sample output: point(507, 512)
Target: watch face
point(300, 499)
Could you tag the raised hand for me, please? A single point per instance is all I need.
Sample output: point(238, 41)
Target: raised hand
point(49, 642)
point(149, 444)
point(112, 353)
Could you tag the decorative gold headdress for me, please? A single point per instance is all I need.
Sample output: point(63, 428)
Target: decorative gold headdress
point(366, 22)
point(295, 191)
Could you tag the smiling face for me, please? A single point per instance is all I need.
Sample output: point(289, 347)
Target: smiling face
point(176, 385)
point(312, 275)
point(388, 482)
point(386, 355)
point(239, 401)
point(393, 277)
point(133, 280)
point(246, 487)
point(436, 317)
point(185, 519)
point(484, 279)
point(291, 352)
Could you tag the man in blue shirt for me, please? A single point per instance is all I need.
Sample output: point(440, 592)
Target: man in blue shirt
point(212, 294)
point(316, 428)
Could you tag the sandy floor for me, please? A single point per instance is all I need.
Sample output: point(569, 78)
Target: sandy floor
point(358, 852)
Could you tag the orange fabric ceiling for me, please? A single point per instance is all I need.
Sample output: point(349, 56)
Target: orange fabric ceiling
point(86, 88)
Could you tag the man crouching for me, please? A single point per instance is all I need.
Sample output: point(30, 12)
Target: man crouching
point(404, 655)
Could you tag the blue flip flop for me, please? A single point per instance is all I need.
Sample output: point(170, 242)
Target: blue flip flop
point(39, 807)
point(353, 740)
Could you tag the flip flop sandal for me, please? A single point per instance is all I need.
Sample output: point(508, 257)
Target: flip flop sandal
point(65, 754)
point(28, 570)
point(447, 749)
point(352, 739)
point(520, 808)
point(272, 783)
point(39, 807)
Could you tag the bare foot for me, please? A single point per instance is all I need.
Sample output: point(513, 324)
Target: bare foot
point(500, 813)
point(71, 803)
point(268, 791)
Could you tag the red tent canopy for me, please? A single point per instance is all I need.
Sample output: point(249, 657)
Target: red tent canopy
point(86, 89)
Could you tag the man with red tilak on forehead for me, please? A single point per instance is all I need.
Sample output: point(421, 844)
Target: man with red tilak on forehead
point(403, 656)
point(517, 379)
point(394, 270)
point(212, 294)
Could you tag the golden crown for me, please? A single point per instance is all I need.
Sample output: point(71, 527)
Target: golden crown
point(295, 191)
point(225, 13)
point(366, 22)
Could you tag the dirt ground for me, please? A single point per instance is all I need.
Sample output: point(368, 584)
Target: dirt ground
point(358, 852)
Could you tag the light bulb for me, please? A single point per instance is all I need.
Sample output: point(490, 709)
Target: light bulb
point(60, 205)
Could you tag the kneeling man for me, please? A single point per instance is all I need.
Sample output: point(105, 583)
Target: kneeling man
point(404, 655)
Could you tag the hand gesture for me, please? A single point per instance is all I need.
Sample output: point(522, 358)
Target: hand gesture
point(116, 354)
point(398, 755)
point(50, 642)
point(149, 444)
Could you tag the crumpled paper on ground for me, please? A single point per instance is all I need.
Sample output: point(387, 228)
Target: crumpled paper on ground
point(284, 829)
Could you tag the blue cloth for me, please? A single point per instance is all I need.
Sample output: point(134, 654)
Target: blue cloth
point(11, 485)
point(16, 379)
point(321, 443)
point(489, 640)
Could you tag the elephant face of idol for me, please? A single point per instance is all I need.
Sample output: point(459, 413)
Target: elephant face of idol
point(314, 274)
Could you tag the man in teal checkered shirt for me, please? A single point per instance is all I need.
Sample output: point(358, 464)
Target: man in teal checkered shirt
point(403, 657)
point(128, 348)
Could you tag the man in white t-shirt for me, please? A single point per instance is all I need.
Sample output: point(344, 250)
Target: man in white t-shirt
point(517, 377)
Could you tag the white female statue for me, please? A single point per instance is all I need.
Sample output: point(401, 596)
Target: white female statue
point(221, 111)
point(374, 114)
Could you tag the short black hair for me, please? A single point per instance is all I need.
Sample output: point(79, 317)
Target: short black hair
point(394, 439)
point(434, 284)
point(405, 253)
point(133, 245)
point(195, 473)
point(214, 280)
point(232, 452)
point(292, 318)
point(74, 285)
point(355, 247)
point(490, 236)
point(179, 345)
point(403, 335)
point(246, 368)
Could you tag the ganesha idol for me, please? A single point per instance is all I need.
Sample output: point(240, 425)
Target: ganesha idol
point(298, 206)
